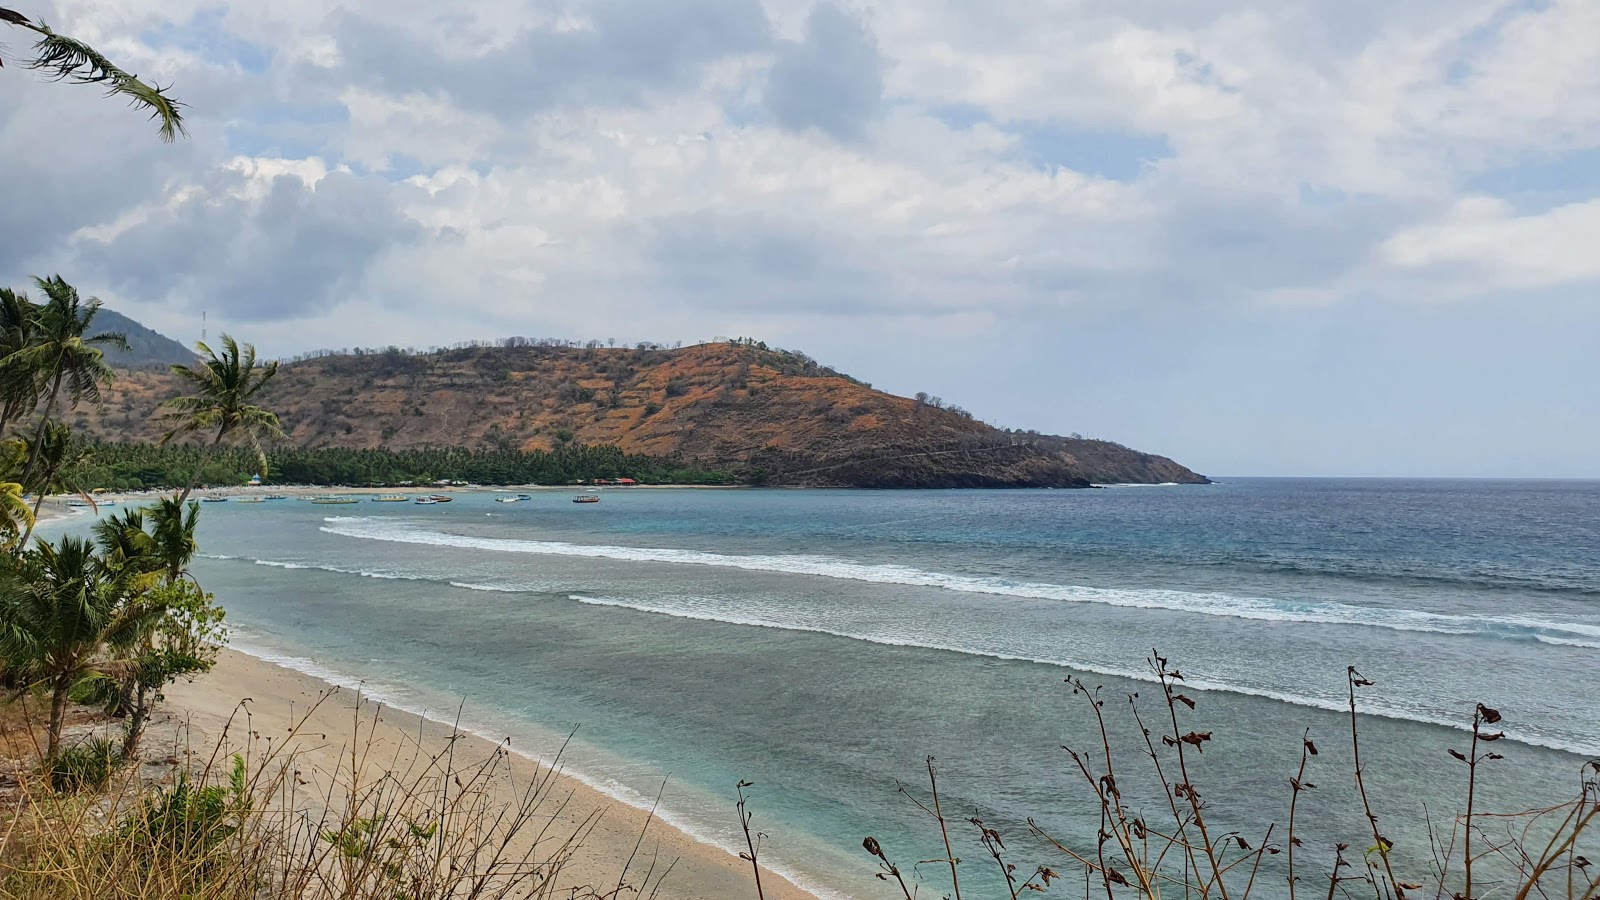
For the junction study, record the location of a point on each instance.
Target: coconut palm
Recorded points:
(56, 458)
(66, 58)
(124, 544)
(224, 384)
(16, 517)
(149, 550)
(60, 613)
(19, 390)
(62, 354)
(172, 530)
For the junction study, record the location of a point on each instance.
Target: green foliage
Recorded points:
(65, 58)
(188, 822)
(85, 766)
(143, 466)
(221, 407)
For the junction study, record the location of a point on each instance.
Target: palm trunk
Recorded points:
(136, 721)
(58, 711)
(37, 502)
(38, 435)
(205, 460)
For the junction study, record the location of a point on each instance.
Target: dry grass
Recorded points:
(255, 823)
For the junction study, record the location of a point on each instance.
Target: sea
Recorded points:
(826, 645)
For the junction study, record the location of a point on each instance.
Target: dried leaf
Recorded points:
(1196, 738)
(1310, 747)
(1184, 699)
(872, 846)
(1116, 877)
(1492, 737)
(1489, 715)
(1459, 755)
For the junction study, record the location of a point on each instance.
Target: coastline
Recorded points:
(265, 701)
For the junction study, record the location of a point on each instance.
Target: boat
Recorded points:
(524, 497)
(78, 504)
(441, 498)
(251, 500)
(426, 500)
(506, 499)
(391, 498)
(326, 500)
(214, 499)
(586, 498)
(276, 497)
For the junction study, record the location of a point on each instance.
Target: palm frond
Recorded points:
(66, 58)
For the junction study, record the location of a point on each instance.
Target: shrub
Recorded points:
(85, 766)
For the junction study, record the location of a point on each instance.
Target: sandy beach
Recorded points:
(265, 702)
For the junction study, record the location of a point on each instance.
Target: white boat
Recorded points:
(426, 501)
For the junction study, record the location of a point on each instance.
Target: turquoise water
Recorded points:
(823, 643)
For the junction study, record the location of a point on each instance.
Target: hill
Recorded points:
(146, 348)
(773, 416)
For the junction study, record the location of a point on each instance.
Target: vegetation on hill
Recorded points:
(132, 467)
(766, 416)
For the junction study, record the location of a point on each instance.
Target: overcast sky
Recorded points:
(1273, 237)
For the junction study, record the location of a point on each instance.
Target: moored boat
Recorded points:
(327, 500)
(391, 498)
(586, 498)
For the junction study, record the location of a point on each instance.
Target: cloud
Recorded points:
(257, 240)
(606, 52)
(1482, 245)
(831, 80)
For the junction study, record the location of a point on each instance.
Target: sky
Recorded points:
(1263, 237)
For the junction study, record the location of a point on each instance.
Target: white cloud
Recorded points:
(1482, 246)
(555, 158)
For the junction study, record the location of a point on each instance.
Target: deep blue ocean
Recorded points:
(822, 644)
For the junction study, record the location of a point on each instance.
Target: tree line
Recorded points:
(131, 467)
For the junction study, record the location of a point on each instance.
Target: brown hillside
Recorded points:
(765, 412)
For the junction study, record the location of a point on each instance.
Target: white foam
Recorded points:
(1331, 705)
(281, 564)
(1209, 604)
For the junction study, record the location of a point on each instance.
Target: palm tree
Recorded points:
(19, 390)
(16, 517)
(66, 58)
(56, 458)
(172, 529)
(59, 614)
(63, 353)
(224, 386)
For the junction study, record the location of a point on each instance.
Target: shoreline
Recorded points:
(276, 697)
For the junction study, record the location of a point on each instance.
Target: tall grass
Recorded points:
(411, 823)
